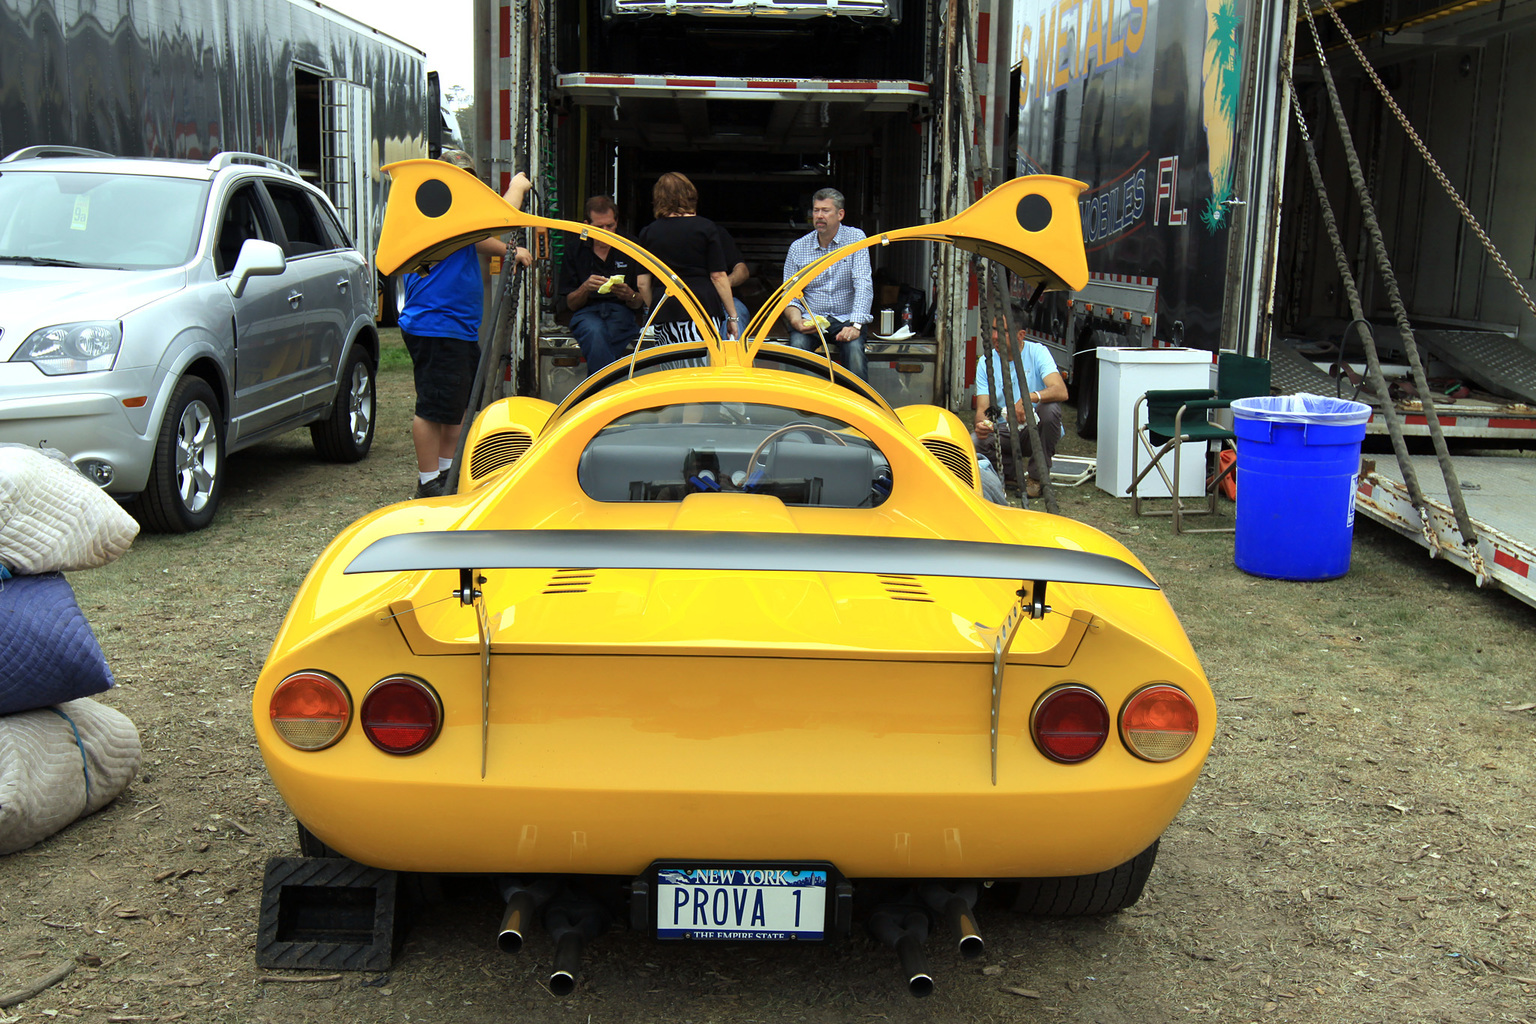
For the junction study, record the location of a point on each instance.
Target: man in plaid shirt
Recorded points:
(843, 293)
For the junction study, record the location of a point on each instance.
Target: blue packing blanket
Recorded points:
(48, 653)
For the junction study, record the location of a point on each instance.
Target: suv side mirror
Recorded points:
(257, 259)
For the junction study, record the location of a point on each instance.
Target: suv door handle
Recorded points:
(294, 298)
(342, 282)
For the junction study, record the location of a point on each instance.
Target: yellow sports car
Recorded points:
(724, 647)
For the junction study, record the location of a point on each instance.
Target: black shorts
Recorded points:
(445, 374)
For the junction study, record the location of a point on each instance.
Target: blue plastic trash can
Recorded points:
(1298, 465)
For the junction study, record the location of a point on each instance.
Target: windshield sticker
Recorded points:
(82, 214)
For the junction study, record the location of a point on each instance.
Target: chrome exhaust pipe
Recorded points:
(958, 905)
(562, 980)
(516, 921)
(905, 929)
(572, 924)
(962, 921)
(523, 901)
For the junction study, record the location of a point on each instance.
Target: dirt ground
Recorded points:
(1359, 848)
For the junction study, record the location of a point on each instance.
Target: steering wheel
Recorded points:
(790, 428)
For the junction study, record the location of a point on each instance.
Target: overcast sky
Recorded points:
(443, 28)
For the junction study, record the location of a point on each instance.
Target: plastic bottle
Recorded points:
(906, 315)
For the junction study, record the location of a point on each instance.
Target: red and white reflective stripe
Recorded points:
(1124, 279)
(584, 80)
(1518, 566)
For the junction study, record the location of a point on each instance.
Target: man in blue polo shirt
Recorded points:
(1043, 388)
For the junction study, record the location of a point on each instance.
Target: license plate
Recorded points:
(737, 902)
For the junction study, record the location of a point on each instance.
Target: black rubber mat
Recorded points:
(323, 913)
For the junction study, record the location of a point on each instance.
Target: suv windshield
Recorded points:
(91, 219)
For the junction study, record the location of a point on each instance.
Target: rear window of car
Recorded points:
(305, 229)
(91, 219)
(670, 452)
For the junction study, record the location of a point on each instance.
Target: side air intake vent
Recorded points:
(570, 581)
(953, 456)
(498, 451)
(904, 588)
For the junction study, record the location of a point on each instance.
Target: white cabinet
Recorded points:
(1125, 374)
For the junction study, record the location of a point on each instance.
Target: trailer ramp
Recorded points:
(1496, 362)
(1497, 491)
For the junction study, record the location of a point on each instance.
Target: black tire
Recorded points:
(1103, 893)
(187, 475)
(310, 844)
(346, 434)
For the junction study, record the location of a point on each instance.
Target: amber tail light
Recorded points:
(401, 715)
(1070, 724)
(1159, 722)
(310, 710)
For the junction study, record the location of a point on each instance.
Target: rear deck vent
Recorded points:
(953, 456)
(570, 581)
(904, 588)
(498, 451)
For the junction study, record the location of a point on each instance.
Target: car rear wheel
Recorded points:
(347, 433)
(187, 475)
(1079, 895)
(310, 845)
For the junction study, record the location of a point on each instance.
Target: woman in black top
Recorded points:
(690, 245)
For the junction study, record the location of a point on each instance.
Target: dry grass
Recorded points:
(1360, 847)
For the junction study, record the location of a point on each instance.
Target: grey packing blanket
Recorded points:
(60, 763)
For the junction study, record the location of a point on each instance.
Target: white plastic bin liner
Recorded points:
(1319, 409)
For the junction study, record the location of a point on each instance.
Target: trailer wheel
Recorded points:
(346, 434)
(1102, 893)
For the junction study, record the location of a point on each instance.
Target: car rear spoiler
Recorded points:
(740, 552)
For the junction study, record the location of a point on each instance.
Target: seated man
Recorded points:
(603, 322)
(843, 293)
(1043, 388)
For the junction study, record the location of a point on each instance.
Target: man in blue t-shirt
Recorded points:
(440, 323)
(1043, 388)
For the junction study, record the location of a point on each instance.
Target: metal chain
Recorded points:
(1394, 297)
(1434, 166)
(1374, 375)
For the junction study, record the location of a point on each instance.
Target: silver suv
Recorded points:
(157, 315)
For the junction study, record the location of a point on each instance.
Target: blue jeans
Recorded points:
(852, 351)
(603, 330)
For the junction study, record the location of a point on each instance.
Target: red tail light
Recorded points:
(401, 715)
(1159, 722)
(1070, 724)
(310, 710)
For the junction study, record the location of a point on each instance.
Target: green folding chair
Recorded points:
(1166, 430)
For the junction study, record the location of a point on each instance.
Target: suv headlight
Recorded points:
(72, 348)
